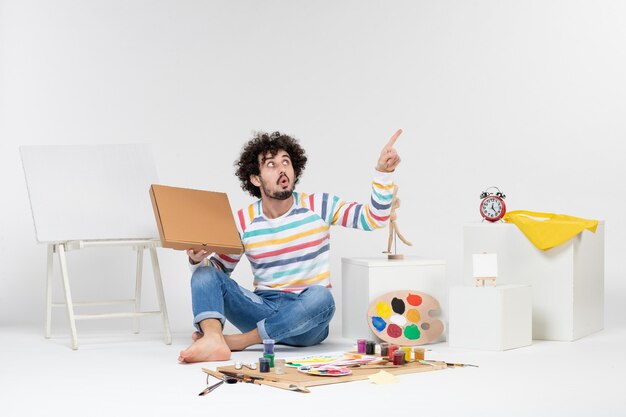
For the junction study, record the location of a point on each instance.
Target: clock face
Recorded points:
(492, 208)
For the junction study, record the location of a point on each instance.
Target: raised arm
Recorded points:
(389, 158)
(374, 215)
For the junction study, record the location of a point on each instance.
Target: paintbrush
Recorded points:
(457, 365)
(448, 364)
(218, 375)
(372, 366)
(262, 381)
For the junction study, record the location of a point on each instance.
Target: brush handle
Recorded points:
(216, 374)
(282, 385)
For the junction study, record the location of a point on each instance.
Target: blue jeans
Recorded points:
(291, 319)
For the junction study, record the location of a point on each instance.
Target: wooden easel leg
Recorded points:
(68, 295)
(50, 262)
(159, 287)
(138, 278)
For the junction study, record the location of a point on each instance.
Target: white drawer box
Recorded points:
(567, 281)
(490, 318)
(364, 279)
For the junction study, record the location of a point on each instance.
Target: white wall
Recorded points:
(529, 96)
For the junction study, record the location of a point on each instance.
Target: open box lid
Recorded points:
(196, 219)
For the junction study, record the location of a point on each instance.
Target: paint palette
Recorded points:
(405, 318)
(315, 360)
(325, 370)
(337, 359)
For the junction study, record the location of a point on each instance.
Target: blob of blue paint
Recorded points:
(378, 323)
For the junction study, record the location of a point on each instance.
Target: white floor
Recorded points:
(117, 373)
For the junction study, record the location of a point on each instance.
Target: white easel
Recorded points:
(94, 196)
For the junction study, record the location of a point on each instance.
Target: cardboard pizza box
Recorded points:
(196, 219)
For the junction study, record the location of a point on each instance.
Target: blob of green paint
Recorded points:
(412, 332)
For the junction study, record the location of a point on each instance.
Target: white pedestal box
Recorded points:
(567, 281)
(490, 318)
(364, 279)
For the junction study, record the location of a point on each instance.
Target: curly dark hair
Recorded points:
(261, 144)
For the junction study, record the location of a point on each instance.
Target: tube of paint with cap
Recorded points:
(264, 365)
(370, 347)
(269, 356)
(398, 357)
(407, 353)
(392, 349)
(384, 349)
(418, 352)
(268, 345)
(279, 366)
(360, 345)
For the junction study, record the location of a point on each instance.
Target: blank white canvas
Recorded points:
(90, 192)
(485, 265)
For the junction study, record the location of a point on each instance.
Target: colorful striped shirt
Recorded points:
(291, 252)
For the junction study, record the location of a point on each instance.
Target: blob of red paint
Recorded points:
(414, 299)
(393, 330)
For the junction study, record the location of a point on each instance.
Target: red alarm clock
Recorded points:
(492, 206)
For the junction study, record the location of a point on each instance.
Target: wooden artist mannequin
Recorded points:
(393, 227)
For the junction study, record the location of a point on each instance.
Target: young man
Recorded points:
(285, 236)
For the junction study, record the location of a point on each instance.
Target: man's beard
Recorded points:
(280, 195)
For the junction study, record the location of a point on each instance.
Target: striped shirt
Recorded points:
(291, 252)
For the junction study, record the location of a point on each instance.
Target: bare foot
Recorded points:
(234, 342)
(237, 342)
(208, 348)
(195, 336)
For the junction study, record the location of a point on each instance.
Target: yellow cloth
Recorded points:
(382, 378)
(547, 230)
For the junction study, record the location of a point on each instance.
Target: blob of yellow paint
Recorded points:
(383, 309)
